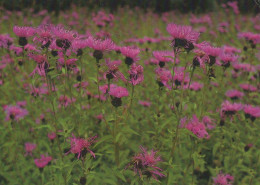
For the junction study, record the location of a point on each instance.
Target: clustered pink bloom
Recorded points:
(118, 92)
(131, 54)
(14, 112)
(248, 87)
(65, 101)
(252, 112)
(81, 146)
(209, 122)
(196, 127)
(136, 74)
(43, 161)
(145, 103)
(24, 31)
(145, 163)
(52, 136)
(29, 147)
(183, 36)
(163, 57)
(223, 179)
(234, 94)
(196, 86)
(228, 108)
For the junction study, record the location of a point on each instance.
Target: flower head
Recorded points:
(14, 112)
(223, 179)
(24, 31)
(234, 94)
(228, 108)
(197, 127)
(29, 147)
(183, 36)
(43, 161)
(80, 146)
(145, 163)
(136, 74)
(131, 54)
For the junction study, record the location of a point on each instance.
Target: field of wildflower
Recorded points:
(129, 98)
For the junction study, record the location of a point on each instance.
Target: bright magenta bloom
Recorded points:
(223, 179)
(131, 54)
(79, 145)
(228, 108)
(136, 74)
(118, 92)
(248, 87)
(197, 127)
(24, 31)
(252, 112)
(14, 112)
(234, 94)
(183, 36)
(29, 147)
(100, 45)
(164, 56)
(43, 161)
(145, 163)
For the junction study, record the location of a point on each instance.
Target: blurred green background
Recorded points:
(195, 6)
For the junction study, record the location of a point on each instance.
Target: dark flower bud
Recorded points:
(116, 102)
(161, 64)
(129, 61)
(98, 54)
(22, 41)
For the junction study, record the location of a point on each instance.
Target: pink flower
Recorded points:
(163, 56)
(223, 179)
(5, 40)
(228, 108)
(252, 112)
(80, 146)
(118, 92)
(43, 161)
(196, 86)
(208, 122)
(145, 163)
(197, 127)
(65, 101)
(24, 31)
(227, 59)
(183, 36)
(234, 94)
(131, 54)
(14, 112)
(29, 147)
(52, 135)
(145, 103)
(248, 87)
(136, 74)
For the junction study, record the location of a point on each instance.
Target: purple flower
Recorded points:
(24, 31)
(223, 179)
(145, 163)
(14, 112)
(80, 146)
(29, 147)
(252, 112)
(234, 94)
(228, 108)
(43, 161)
(136, 74)
(197, 127)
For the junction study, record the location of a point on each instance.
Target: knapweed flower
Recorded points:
(116, 93)
(23, 32)
(100, 46)
(183, 36)
(145, 163)
(212, 52)
(209, 122)
(248, 87)
(14, 112)
(230, 109)
(52, 136)
(234, 94)
(81, 146)
(29, 147)
(43, 161)
(65, 101)
(136, 74)
(145, 103)
(223, 179)
(252, 112)
(64, 37)
(44, 35)
(197, 127)
(131, 54)
(196, 86)
(5, 41)
(164, 76)
(227, 59)
(163, 57)
(113, 71)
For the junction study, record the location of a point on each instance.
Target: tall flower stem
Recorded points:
(97, 64)
(116, 144)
